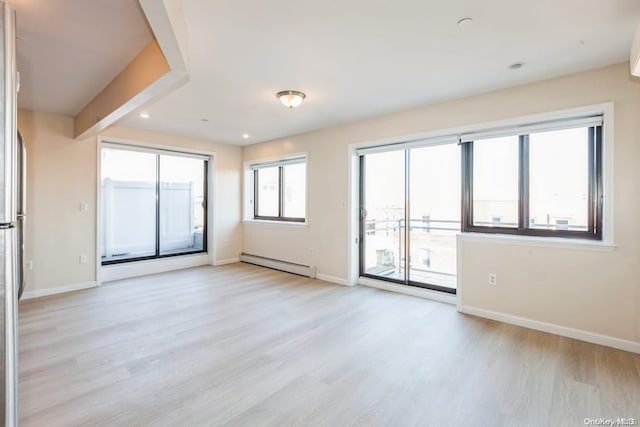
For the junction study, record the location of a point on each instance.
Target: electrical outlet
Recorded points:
(82, 259)
(226, 243)
(84, 207)
(29, 265)
(493, 279)
(311, 251)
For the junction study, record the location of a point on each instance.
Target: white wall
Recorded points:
(597, 292)
(62, 174)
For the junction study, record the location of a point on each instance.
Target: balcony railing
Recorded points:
(428, 225)
(432, 257)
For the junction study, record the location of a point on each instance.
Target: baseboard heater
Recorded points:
(276, 264)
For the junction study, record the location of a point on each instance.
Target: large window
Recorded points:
(154, 204)
(280, 190)
(543, 182)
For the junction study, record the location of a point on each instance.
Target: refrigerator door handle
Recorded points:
(21, 217)
(22, 167)
(20, 258)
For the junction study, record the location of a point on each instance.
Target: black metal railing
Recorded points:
(447, 225)
(373, 225)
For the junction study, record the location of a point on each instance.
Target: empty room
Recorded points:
(278, 213)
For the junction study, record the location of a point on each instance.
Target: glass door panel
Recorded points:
(128, 204)
(383, 215)
(434, 200)
(182, 206)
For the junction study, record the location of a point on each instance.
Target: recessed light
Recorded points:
(145, 115)
(464, 22)
(246, 136)
(516, 65)
(204, 120)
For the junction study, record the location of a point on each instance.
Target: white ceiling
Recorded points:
(69, 50)
(353, 58)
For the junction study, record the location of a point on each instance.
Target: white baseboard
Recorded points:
(226, 261)
(58, 290)
(332, 279)
(564, 331)
(143, 268)
(408, 290)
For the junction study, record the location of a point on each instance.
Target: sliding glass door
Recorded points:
(410, 204)
(153, 203)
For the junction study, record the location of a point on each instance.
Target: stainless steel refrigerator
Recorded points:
(12, 161)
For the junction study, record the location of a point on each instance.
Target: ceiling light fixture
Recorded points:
(516, 65)
(464, 22)
(291, 98)
(145, 115)
(246, 136)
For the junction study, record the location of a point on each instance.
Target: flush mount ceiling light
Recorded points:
(464, 22)
(145, 115)
(246, 136)
(291, 98)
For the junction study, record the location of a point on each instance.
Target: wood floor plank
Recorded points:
(245, 345)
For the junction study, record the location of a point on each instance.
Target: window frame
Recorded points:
(595, 191)
(157, 152)
(281, 189)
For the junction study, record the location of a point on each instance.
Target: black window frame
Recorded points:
(595, 192)
(157, 254)
(281, 189)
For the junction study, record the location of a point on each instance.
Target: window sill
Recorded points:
(535, 241)
(272, 222)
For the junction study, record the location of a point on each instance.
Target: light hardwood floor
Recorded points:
(248, 346)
